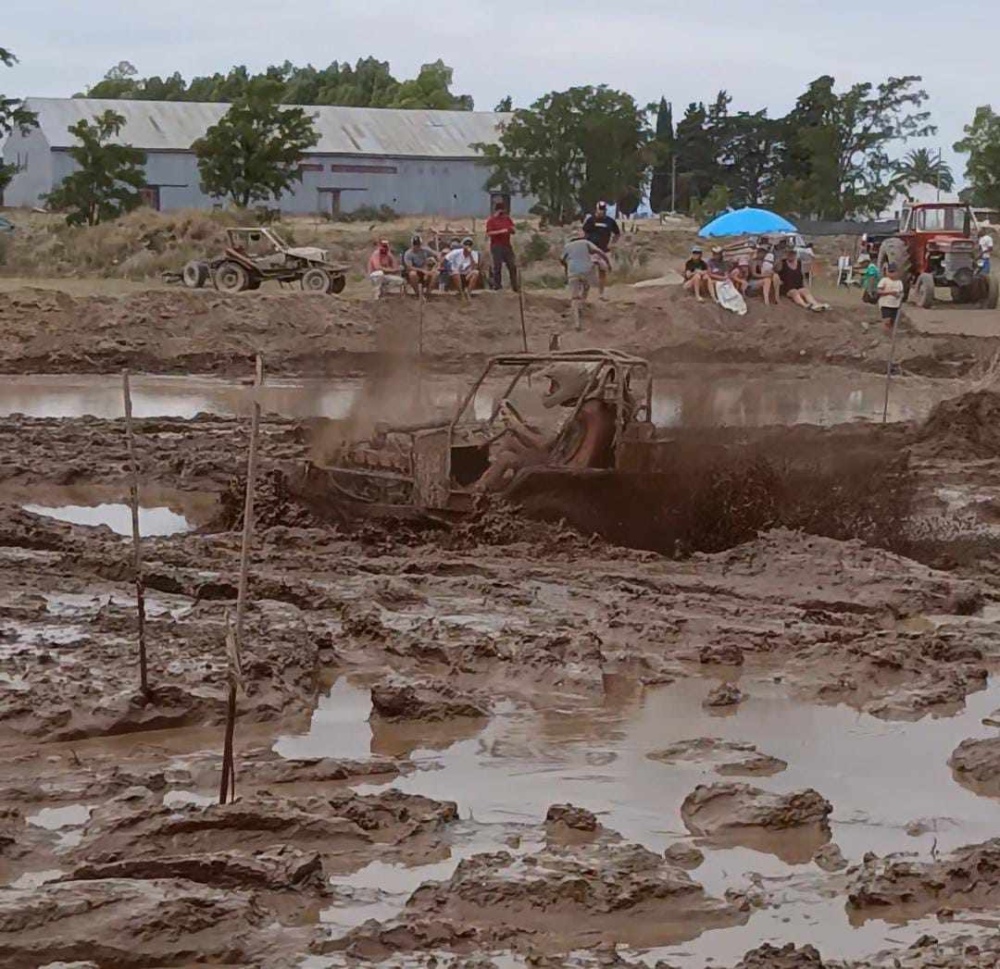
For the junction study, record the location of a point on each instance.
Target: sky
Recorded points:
(764, 55)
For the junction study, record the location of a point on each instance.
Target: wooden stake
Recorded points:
(420, 325)
(241, 598)
(140, 593)
(234, 638)
(888, 369)
(227, 784)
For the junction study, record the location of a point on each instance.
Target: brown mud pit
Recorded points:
(580, 662)
(174, 331)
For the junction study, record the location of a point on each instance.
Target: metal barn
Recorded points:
(417, 162)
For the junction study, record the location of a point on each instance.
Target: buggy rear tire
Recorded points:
(317, 280)
(195, 274)
(231, 277)
(923, 292)
(338, 283)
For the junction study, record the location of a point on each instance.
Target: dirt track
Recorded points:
(506, 741)
(171, 331)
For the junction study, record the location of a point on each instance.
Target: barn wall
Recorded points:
(31, 153)
(411, 186)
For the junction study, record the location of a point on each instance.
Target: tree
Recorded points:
(572, 148)
(921, 167)
(13, 117)
(109, 176)
(505, 105)
(835, 158)
(660, 188)
(695, 149)
(982, 144)
(254, 152)
(747, 155)
(368, 84)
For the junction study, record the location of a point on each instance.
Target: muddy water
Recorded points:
(880, 777)
(692, 395)
(152, 521)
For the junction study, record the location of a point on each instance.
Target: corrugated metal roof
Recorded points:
(174, 125)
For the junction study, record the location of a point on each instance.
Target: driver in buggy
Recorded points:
(584, 442)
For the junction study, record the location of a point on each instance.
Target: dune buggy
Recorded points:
(257, 255)
(936, 247)
(411, 470)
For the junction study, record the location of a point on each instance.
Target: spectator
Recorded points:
(890, 295)
(444, 270)
(499, 228)
(579, 258)
(696, 274)
(383, 269)
(420, 264)
(807, 257)
(869, 278)
(602, 231)
(762, 275)
(985, 251)
(740, 275)
(462, 265)
(717, 270)
(794, 285)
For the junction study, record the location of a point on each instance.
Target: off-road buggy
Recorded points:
(256, 255)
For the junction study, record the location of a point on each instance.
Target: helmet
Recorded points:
(567, 382)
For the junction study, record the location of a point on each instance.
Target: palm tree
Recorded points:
(920, 167)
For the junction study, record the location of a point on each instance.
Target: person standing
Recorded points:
(579, 258)
(499, 228)
(602, 231)
(985, 251)
(890, 295)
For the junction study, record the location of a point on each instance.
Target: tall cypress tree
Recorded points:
(663, 154)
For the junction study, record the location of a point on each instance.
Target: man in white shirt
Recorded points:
(985, 250)
(463, 267)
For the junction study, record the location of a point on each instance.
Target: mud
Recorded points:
(495, 742)
(171, 331)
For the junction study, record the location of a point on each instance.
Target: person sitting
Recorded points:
(444, 271)
(583, 443)
(717, 269)
(462, 264)
(793, 283)
(740, 274)
(421, 267)
(383, 269)
(762, 276)
(696, 274)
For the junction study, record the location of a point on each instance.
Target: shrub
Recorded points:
(367, 213)
(536, 249)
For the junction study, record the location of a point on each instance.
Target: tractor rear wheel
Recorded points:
(195, 274)
(316, 280)
(231, 277)
(924, 291)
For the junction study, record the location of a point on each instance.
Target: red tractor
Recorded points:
(937, 247)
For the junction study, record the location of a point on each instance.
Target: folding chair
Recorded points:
(845, 271)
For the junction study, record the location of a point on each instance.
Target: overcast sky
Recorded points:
(763, 54)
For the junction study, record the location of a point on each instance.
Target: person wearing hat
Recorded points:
(717, 269)
(420, 264)
(499, 228)
(696, 274)
(890, 295)
(383, 269)
(601, 230)
(462, 265)
(579, 258)
(762, 275)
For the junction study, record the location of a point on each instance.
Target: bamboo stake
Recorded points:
(420, 324)
(140, 592)
(241, 598)
(227, 784)
(888, 369)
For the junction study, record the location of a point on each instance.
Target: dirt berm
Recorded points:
(169, 331)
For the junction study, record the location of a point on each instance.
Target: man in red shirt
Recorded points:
(499, 228)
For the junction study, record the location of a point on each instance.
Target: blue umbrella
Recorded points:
(746, 222)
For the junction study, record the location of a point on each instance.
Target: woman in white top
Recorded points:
(890, 295)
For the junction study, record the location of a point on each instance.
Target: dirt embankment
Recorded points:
(170, 331)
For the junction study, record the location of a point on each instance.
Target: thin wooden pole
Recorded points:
(420, 324)
(140, 592)
(227, 783)
(241, 598)
(524, 326)
(888, 368)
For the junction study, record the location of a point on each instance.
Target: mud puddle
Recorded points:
(153, 522)
(697, 394)
(889, 784)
